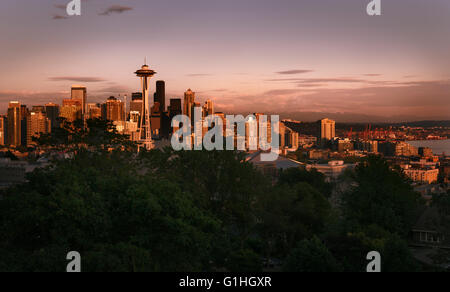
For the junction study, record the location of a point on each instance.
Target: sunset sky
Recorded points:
(285, 56)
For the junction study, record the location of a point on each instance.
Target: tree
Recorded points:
(381, 196)
(396, 256)
(316, 179)
(290, 214)
(311, 256)
(99, 205)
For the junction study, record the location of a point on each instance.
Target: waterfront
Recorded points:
(438, 146)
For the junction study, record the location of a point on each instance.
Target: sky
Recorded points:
(301, 59)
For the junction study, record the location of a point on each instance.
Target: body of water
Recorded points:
(438, 146)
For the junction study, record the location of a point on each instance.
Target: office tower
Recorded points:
(208, 108)
(14, 124)
(288, 138)
(23, 115)
(158, 109)
(145, 73)
(38, 108)
(113, 110)
(37, 124)
(155, 119)
(52, 112)
(135, 117)
(160, 95)
(327, 129)
(189, 100)
(71, 110)
(136, 105)
(80, 93)
(136, 96)
(165, 125)
(73, 102)
(175, 108)
(264, 132)
(3, 125)
(94, 111)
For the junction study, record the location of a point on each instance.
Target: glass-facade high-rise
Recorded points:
(14, 124)
(80, 93)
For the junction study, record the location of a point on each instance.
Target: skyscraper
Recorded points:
(136, 103)
(23, 127)
(52, 113)
(327, 129)
(113, 110)
(14, 124)
(208, 108)
(80, 93)
(71, 110)
(175, 108)
(160, 95)
(158, 110)
(136, 96)
(94, 111)
(155, 119)
(3, 125)
(189, 100)
(38, 108)
(37, 123)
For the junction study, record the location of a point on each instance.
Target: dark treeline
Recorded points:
(201, 211)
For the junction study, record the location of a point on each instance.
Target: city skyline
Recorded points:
(394, 67)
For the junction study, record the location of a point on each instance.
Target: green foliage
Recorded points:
(244, 260)
(382, 197)
(163, 210)
(397, 257)
(290, 214)
(316, 179)
(311, 256)
(97, 204)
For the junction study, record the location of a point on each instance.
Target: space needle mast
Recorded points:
(145, 134)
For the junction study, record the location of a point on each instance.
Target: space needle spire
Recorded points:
(145, 134)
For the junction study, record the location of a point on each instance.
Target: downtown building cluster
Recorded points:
(21, 124)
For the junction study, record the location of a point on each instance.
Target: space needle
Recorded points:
(145, 133)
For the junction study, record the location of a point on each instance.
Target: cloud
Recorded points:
(383, 101)
(30, 98)
(198, 75)
(116, 9)
(330, 80)
(59, 17)
(77, 79)
(294, 72)
(372, 75)
(61, 6)
(115, 89)
(281, 92)
(218, 90)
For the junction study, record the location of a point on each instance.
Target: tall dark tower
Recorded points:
(52, 112)
(14, 124)
(160, 95)
(145, 73)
